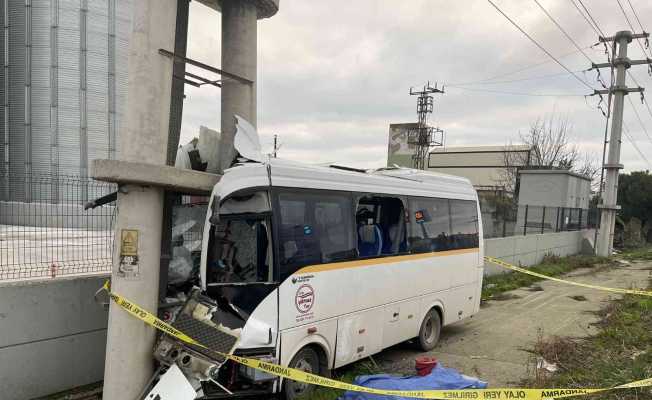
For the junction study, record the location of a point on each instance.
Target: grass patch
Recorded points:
(493, 286)
(345, 374)
(641, 253)
(620, 353)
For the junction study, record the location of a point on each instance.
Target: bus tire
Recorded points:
(307, 359)
(430, 330)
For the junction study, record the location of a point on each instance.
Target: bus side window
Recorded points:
(430, 225)
(464, 215)
(315, 228)
(380, 224)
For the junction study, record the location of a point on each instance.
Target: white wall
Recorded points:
(530, 250)
(52, 336)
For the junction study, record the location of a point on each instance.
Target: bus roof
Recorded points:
(396, 181)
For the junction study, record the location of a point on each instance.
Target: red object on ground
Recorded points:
(424, 365)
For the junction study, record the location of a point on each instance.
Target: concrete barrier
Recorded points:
(52, 336)
(42, 215)
(530, 250)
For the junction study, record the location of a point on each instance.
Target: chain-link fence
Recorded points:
(45, 231)
(512, 219)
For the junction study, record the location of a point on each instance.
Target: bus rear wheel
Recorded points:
(430, 330)
(307, 360)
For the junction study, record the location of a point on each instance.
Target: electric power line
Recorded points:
(585, 18)
(633, 143)
(532, 78)
(563, 31)
(592, 19)
(547, 61)
(515, 93)
(625, 14)
(629, 74)
(636, 15)
(647, 106)
(630, 25)
(538, 45)
(640, 121)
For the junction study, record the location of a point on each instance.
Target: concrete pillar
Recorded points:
(144, 138)
(239, 46)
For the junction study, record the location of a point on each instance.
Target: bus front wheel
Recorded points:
(430, 330)
(307, 360)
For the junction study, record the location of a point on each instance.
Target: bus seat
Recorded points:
(370, 240)
(395, 241)
(390, 244)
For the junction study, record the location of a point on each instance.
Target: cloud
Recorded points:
(334, 74)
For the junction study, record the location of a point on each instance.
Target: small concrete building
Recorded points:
(555, 188)
(551, 200)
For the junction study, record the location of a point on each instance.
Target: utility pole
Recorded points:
(423, 137)
(275, 146)
(609, 205)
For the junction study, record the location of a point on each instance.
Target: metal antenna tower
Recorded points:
(423, 137)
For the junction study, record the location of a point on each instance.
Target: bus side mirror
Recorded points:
(215, 211)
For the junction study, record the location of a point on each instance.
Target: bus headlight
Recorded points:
(256, 375)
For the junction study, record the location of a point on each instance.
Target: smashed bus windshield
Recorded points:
(239, 245)
(239, 251)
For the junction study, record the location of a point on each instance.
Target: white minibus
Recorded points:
(316, 267)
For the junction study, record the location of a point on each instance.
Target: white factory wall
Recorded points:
(529, 250)
(52, 336)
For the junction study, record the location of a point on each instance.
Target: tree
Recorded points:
(635, 196)
(550, 148)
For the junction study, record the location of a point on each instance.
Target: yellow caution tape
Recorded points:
(305, 377)
(550, 278)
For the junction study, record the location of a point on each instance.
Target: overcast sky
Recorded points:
(332, 75)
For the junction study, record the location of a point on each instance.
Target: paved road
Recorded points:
(491, 344)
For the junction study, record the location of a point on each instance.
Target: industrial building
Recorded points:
(62, 90)
(484, 166)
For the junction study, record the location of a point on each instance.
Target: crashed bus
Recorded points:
(316, 267)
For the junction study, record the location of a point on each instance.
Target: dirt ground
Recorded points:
(492, 345)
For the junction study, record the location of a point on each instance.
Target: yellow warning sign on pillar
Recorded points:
(129, 267)
(129, 242)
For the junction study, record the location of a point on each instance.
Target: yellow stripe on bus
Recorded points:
(381, 260)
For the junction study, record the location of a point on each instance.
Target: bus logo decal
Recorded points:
(304, 299)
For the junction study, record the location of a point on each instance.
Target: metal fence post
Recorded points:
(579, 225)
(543, 219)
(557, 220)
(525, 221)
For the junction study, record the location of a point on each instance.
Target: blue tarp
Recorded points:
(439, 378)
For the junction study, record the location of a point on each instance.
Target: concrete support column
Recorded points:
(143, 138)
(239, 46)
